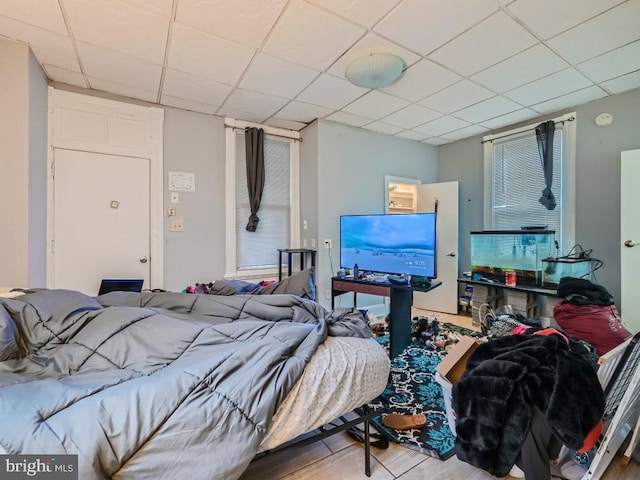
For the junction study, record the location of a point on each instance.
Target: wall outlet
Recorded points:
(177, 225)
(304, 243)
(313, 243)
(171, 212)
(327, 294)
(327, 244)
(175, 197)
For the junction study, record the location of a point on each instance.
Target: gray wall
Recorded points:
(194, 143)
(598, 150)
(23, 154)
(352, 164)
(38, 141)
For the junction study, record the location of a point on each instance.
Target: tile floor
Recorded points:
(340, 457)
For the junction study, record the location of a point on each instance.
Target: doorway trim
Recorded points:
(151, 147)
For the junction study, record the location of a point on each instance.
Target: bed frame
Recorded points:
(365, 414)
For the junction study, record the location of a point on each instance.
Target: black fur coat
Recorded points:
(508, 376)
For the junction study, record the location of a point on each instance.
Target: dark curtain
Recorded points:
(544, 137)
(254, 142)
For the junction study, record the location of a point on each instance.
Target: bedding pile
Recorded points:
(154, 385)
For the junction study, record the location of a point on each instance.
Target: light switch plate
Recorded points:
(175, 197)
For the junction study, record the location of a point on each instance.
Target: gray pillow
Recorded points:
(300, 283)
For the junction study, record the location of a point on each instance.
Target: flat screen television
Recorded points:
(389, 243)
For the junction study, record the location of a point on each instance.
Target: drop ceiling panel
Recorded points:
(547, 18)
(188, 104)
(271, 75)
(310, 36)
(246, 22)
(67, 62)
(118, 68)
(371, 43)
(348, 119)
(43, 14)
(412, 135)
(303, 112)
(283, 61)
(624, 83)
(363, 12)
(197, 53)
(618, 62)
(383, 128)
(422, 79)
(435, 141)
(193, 88)
(244, 115)
(411, 116)
(375, 105)
(486, 109)
(480, 47)
(332, 92)
(570, 100)
(560, 83)
(63, 75)
(121, 89)
(457, 96)
(509, 119)
(35, 36)
(425, 25)
(441, 126)
(532, 64)
(260, 103)
(115, 25)
(289, 124)
(601, 34)
(465, 132)
(160, 6)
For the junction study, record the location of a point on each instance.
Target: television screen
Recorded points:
(389, 243)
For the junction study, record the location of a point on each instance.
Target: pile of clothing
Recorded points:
(588, 312)
(512, 378)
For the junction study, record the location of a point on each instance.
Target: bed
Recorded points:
(170, 385)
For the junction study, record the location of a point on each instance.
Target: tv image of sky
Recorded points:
(390, 243)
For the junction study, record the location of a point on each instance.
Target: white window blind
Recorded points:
(259, 250)
(514, 180)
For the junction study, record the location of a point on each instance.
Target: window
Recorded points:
(514, 181)
(255, 254)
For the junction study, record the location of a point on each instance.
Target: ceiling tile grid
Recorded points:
(470, 66)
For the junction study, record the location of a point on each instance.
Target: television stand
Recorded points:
(400, 301)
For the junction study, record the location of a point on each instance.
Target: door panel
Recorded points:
(445, 297)
(101, 215)
(629, 232)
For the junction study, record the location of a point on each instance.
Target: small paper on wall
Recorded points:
(182, 182)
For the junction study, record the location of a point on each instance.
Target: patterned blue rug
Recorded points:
(412, 389)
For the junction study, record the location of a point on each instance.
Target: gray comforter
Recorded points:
(153, 385)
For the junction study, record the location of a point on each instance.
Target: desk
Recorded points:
(401, 299)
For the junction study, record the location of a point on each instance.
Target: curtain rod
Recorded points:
(241, 130)
(524, 129)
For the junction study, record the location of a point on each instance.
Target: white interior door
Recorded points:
(101, 219)
(445, 297)
(630, 239)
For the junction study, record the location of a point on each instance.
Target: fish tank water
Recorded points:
(495, 252)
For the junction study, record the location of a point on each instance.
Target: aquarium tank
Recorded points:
(495, 252)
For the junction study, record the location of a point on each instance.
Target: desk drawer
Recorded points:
(371, 289)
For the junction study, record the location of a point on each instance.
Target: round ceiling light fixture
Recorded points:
(376, 70)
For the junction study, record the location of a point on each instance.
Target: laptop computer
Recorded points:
(120, 285)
